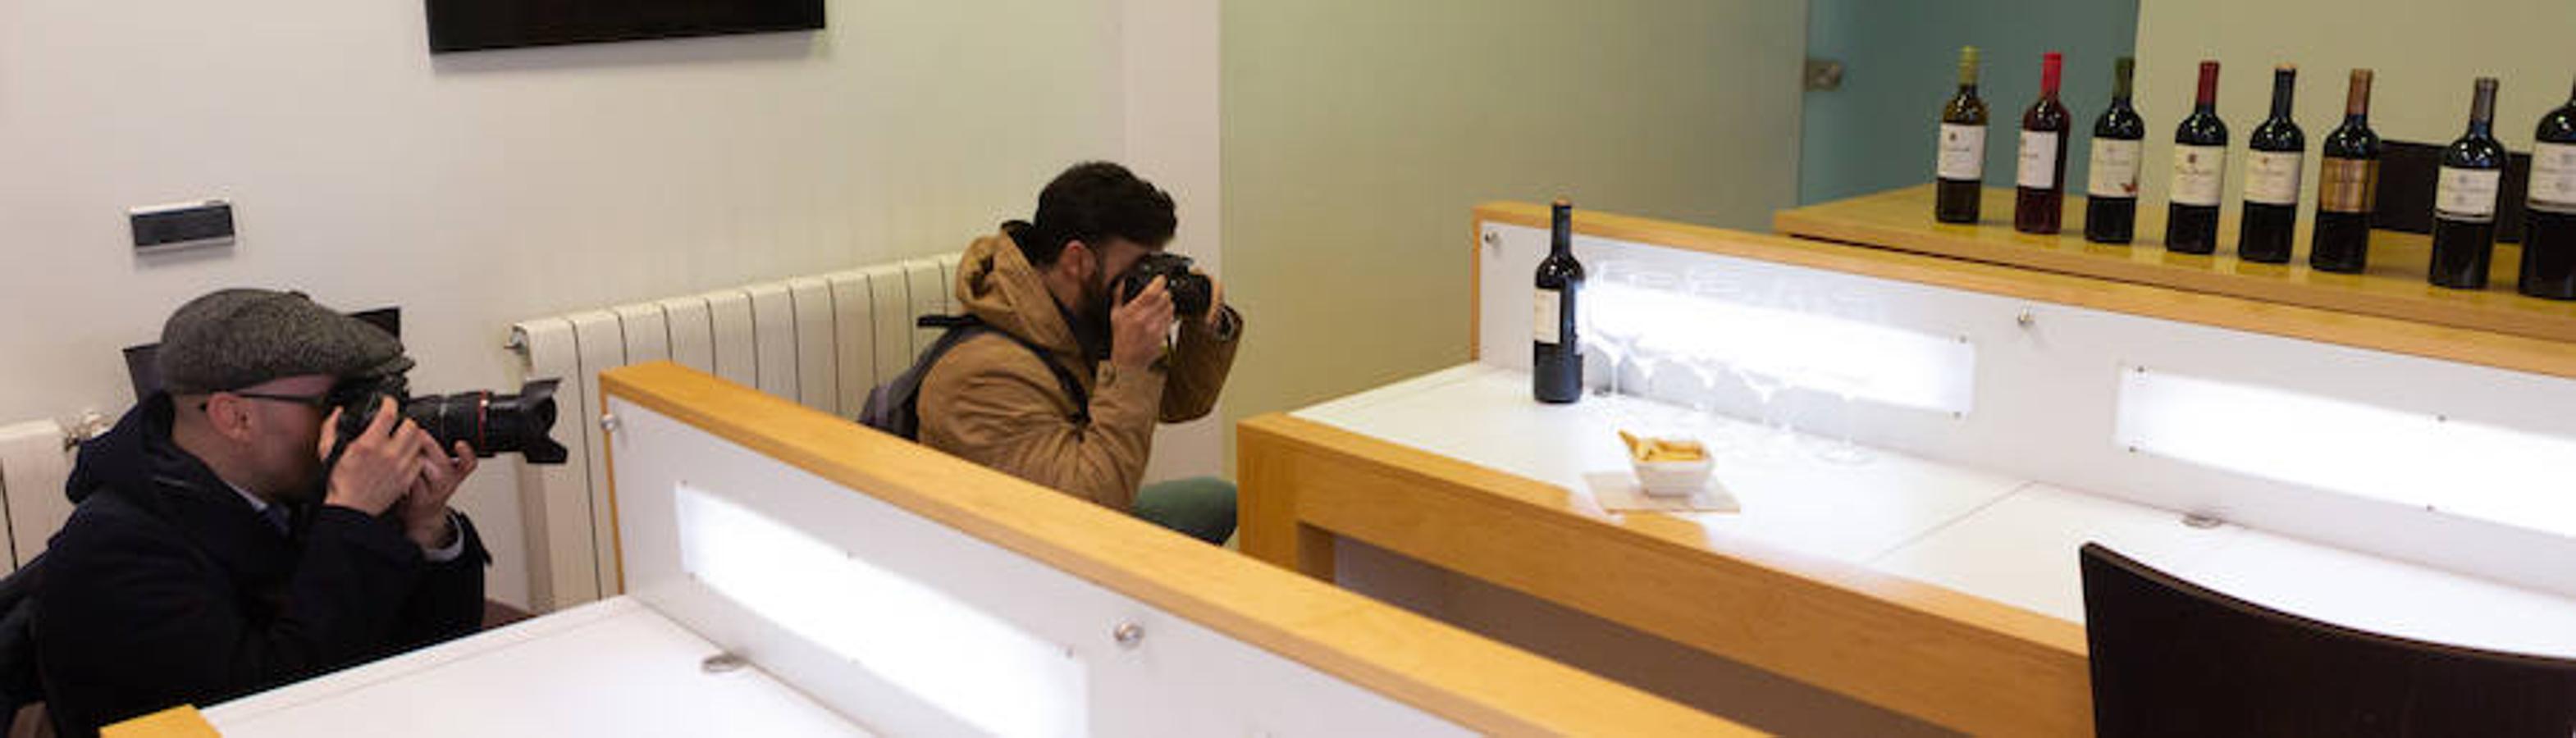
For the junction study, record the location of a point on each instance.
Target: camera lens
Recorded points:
(493, 423)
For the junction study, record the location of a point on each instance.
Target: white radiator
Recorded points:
(35, 460)
(822, 341)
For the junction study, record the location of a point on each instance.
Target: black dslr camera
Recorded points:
(490, 423)
(1190, 290)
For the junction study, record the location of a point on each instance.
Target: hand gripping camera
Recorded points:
(1191, 292)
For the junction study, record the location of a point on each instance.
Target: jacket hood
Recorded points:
(132, 454)
(998, 286)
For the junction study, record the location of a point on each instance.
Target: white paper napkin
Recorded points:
(1618, 491)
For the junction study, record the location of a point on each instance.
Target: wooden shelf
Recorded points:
(2394, 286)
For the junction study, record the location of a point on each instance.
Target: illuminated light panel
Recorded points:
(2456, 467)
(971, 665)
(1826, 353)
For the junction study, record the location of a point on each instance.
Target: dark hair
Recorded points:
(1093, 202)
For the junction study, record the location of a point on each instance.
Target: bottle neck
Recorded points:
(2281, 101)
(1560, 241)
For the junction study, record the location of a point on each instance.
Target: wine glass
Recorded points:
(1650, 297)
(1857, 308)
(1717, 291)
(1610, 321)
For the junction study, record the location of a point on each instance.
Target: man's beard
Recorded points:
(1091, 328)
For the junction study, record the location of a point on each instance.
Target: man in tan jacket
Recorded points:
(1049, 284)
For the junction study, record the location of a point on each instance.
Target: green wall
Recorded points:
(1357, 135)
(1900, 61)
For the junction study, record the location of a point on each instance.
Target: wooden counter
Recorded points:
(2393, 287)
(1939, 588)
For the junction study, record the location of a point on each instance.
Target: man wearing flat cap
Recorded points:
(213, 554)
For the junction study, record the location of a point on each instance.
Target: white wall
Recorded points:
(476, 190)
(2424, 55)
(1171, 84)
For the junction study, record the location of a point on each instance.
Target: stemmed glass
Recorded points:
(1611, 322)
(1855, 308)
(1648, 291)
(1770, 376)
(1717, 289)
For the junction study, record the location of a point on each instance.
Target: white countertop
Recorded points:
(610, 668)
(1985, 534)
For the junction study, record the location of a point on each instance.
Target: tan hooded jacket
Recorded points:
(989, 400)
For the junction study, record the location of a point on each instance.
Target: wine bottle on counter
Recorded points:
(2549, 230)
(2347, 187)
(2039, 197)
(2111, 205)
(2199, 172)
(1556, 359)
(1960, 174)
(2464, 200)
(2276, 152)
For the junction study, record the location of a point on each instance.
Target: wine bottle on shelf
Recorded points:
(2347, 187)
(2275, 154)
(1960, 173)
(2464, 201)
(2039, 195)
(2199, 171)
(1556, 358)
(2111, 205)
(2549, 228)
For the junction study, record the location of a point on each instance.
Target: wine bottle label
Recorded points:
(2348, 185)
(2553, 177)
(2198, 173)
(2038, 160)
(2467, 194)
(1963, 152)
(1544, 317)
(2115, 168)
(2272, 177)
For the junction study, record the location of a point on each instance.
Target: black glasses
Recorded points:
(317, 402)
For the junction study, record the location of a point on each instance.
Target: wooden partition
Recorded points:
(1140, 631)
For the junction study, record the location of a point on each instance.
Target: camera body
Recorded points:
(490, 423)
(1191, 291)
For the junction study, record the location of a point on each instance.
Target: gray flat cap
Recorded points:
(236, 338)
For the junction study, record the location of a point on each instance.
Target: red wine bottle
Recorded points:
(2276, 152)
(2549, 230)
(2039, 197)
(1960, 173)
(2111, 205)
(2464, 201)
(2199, 172)
(1556, 358)
(2347, 187)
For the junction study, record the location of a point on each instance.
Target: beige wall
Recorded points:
(2425, 55)
(1357, 134)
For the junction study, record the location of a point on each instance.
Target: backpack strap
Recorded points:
(963, 326)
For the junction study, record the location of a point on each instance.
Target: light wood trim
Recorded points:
(177, 722)
(2392, 287)
(616, 528)
(1952, 659)
(1435, 667)
(2485, 348)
